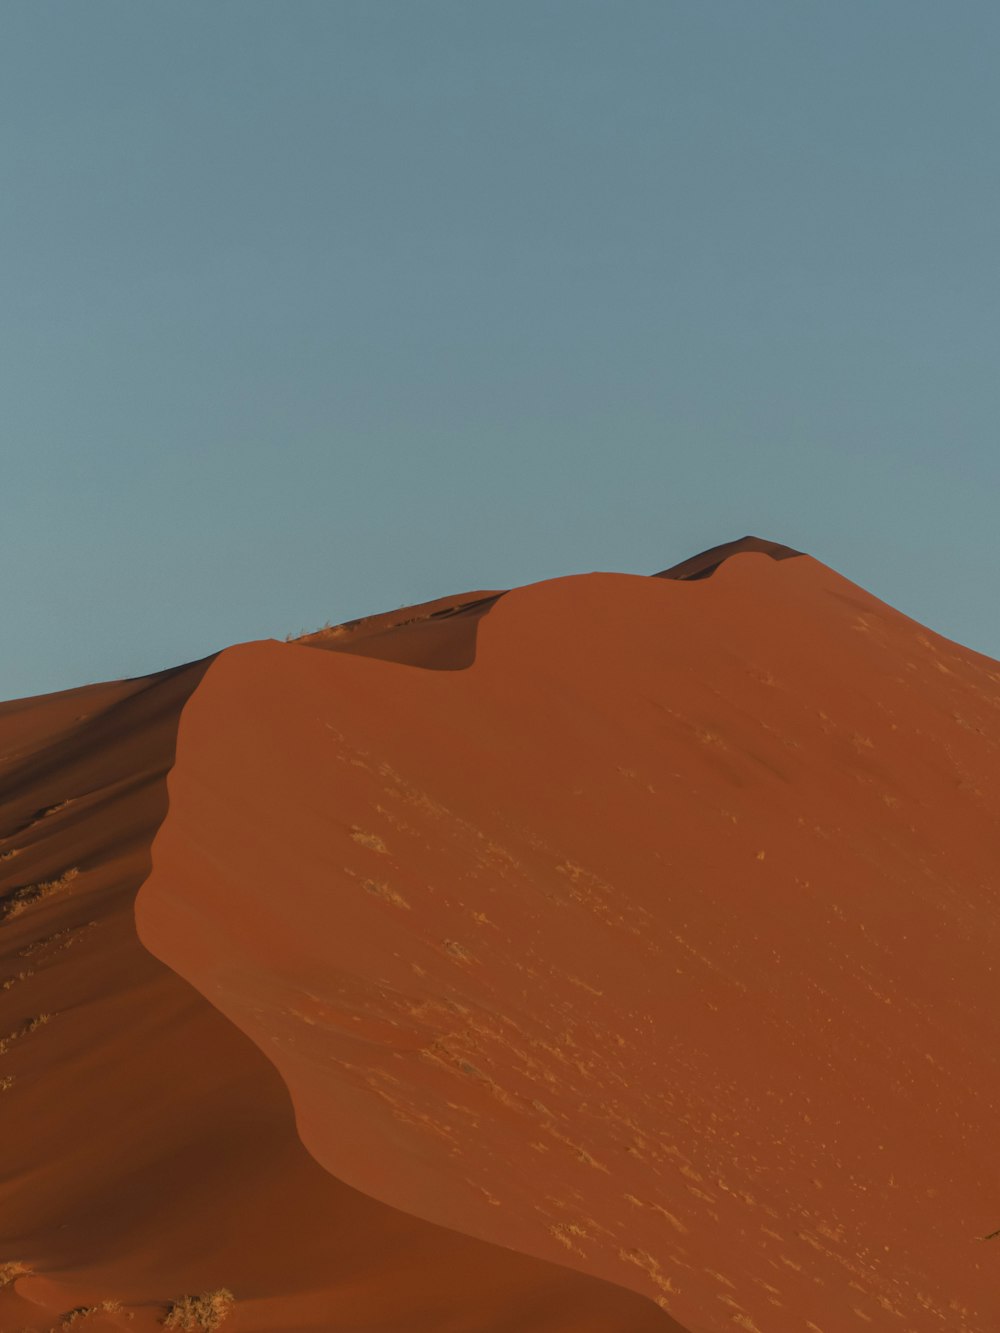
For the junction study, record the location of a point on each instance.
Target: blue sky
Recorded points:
(315, 309)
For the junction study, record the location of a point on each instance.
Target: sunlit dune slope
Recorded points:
(148, 1149)
(658, 940)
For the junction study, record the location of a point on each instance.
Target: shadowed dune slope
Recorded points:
(148, 1149)
(660, 941)
(705, 563)
(439, 635)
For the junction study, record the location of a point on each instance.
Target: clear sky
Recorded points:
(312, 309)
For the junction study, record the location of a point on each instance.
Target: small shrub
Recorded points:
(8, 1272)
(206, 1311)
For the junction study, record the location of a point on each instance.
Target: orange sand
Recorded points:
(148, 1149)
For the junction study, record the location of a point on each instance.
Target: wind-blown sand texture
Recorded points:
(611, 954)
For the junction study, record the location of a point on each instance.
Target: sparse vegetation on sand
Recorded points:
(13, 904)
(9, 982)
(207, 1311)
(10, 1271)
(25, 1030)
(85, 1311)
(369, 840)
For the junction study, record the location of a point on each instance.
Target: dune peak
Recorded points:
(705, 563)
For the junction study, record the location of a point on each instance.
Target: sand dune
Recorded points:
(631, 968)
(148, 1149)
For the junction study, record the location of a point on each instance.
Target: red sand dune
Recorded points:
(633, 969)
(148, 1150)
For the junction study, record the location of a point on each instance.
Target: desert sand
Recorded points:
(613, 953)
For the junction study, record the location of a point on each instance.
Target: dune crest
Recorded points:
(439, 635)
(659, 941)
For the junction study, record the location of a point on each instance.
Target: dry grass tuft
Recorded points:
(328, 628)
(370, 840)
(53, 809)
(6, 1083)
(9, 856)
(384, 891)
(20, 899)
(206, 1311)
(32, 1025)
(9, 983)
(60, 939)
(8, 1272)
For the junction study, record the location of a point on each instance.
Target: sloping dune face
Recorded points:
(660, 941)
(149, 1150)
(439, 634)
